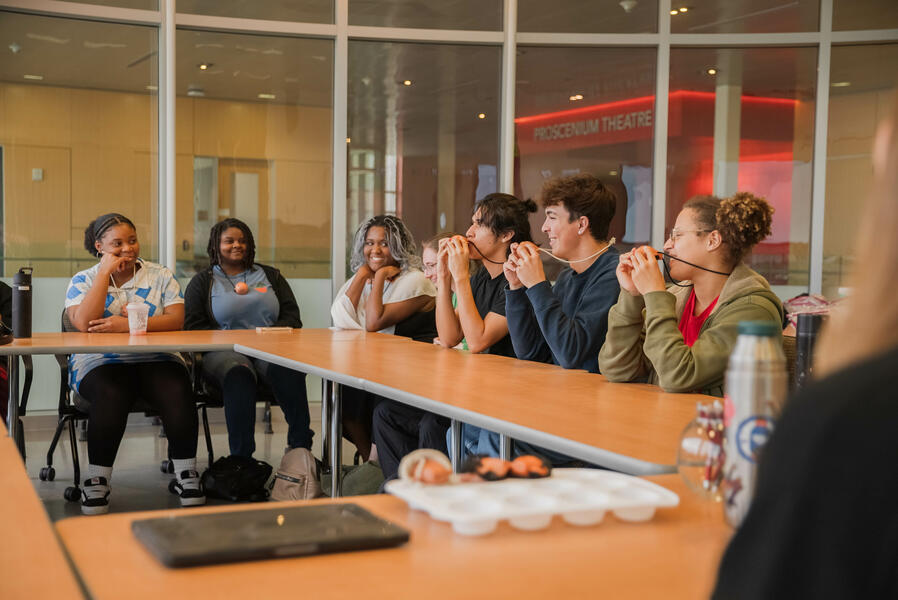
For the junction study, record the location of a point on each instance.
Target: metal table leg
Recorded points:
(455, 444)
(505, 444)
(325, 425)
(336, 441)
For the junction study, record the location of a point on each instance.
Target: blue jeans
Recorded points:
(237, 376)
(475, 440)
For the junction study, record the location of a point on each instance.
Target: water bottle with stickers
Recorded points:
(756, 384)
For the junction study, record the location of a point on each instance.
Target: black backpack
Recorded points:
(238, 479)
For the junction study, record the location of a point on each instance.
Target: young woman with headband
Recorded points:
(680, 337)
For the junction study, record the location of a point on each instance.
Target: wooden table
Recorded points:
(675, 555)
(34, 564)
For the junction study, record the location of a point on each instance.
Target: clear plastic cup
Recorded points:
(138, 314)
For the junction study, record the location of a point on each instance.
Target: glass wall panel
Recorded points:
(423, 132)
(588, 16)
(449, 14)
(743, 120)
(744, 16)
(141, 4)
(307, 11)
(78, 135)
(588, 110)
(254, 142)
(861, 95)
(849, 15)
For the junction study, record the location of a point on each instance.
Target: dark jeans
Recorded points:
(111, 391)
(399, 429)
(237, 376)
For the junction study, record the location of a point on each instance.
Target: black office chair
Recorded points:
(73, 408)
(23, 399)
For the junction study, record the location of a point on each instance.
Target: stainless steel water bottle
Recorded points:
(756, 385)
(21, 303)
(805, 337)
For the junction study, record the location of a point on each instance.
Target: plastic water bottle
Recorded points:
(756, 385)
(21, 303)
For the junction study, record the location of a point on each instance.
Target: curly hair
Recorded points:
(214, 247)
(583, 195)
(399, 239)
(99, 226)
(743, 220)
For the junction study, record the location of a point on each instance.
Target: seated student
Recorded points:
(387, 293)
(95, 302)
(680, 336)
(235, 292)
(824, 521)
(429, 254)
(479, 317)
(565, 323)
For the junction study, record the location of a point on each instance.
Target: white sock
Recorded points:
(98, 471)
(183, 464)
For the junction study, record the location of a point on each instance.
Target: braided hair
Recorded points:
(214, 247)
(99, 226)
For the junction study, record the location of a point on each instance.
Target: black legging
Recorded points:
(112, 390)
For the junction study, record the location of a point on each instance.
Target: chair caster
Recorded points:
(167, 466)
(72, 494)
(47, 474)
(171, 486)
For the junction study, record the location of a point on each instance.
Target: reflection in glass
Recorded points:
(254, 142)
(588, 16)
(745, 16)
(849, 15)
(307, 11)
(743, 120)
(78, 137)
(417, 146)
(447, 14)
(575, 113)
(860, 97)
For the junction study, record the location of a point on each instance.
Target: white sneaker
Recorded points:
(95, 496)
(189, 488)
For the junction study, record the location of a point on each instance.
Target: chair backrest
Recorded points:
(66, 322)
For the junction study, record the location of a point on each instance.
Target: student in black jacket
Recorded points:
(237, 293)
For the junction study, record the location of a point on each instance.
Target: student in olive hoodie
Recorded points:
(680, 337)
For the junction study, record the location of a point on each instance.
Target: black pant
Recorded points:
(399, 429)
(111, 390)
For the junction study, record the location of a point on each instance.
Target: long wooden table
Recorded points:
(673, 556)
(32, 560)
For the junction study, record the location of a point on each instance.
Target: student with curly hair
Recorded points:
(680, 337)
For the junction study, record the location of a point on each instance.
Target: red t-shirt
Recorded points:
(690, 324)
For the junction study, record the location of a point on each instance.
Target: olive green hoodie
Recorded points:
(644, 342)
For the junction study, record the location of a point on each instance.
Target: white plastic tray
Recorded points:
(580, 496)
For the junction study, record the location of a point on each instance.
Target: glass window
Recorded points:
(743, 120)
(423, 132)
(588, 16)
(861, 95)
(78, 135)
(588, 110)
(142, 4)
(307, 11)
(254, 135)
(849, 15)
(448, 14)
(745, 16)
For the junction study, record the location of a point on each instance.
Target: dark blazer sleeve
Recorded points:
(196, 313)
(289, 309)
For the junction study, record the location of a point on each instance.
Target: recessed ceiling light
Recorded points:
(576, 97)
(195, 92)
(152, 88)
(266, 96)
(348, 140)
(204, 66)
(711, 71)
(841, 84)
(612, 173)
(407, 82)
(684, 9)
(674, 12)
(35, 77)
(481, 116)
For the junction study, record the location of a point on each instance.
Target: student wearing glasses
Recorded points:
(680, 336)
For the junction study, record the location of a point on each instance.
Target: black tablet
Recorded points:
(189, 540)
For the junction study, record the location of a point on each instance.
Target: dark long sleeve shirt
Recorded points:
(566, 323)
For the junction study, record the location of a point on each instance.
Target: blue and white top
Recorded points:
(153, 285)
(259, 307)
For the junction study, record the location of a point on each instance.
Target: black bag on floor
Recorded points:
(238, 479)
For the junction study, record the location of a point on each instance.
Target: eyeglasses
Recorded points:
(676, 234)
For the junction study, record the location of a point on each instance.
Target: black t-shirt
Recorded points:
(489, 296)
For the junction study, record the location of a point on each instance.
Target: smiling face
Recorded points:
(376, 249)
(232, 246)
(120, 240)
(563, 233)
(429, 258)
